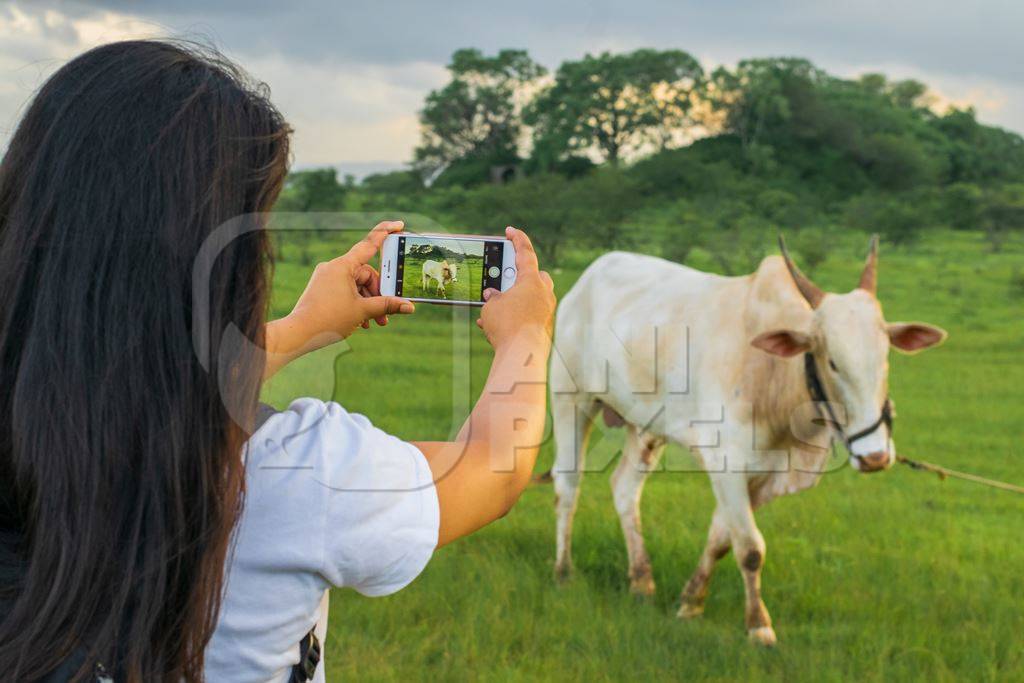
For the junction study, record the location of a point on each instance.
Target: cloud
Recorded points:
(362, 113)
(36, 43)
(352, 75)
(977, 38)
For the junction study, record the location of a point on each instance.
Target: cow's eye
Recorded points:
(832, 364)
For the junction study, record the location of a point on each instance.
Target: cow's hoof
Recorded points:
(690, 610)
(642, 587)
(763, 636)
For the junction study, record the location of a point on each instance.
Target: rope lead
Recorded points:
(944, 473)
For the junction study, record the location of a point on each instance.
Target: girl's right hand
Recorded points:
(526, 308)
(481, 474)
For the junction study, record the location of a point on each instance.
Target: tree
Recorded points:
(1003, 212)
(556, 211)
(533, 204)
(897, 162)
(977, 152)
(615, 103)
(393, 183)
(478, 113)
(814, 245)
(684, 228)
(314, 190)
(907, 94)
(759, 96)
(997, 210)
(898, 218)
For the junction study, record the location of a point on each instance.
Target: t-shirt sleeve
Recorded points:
(381, 512)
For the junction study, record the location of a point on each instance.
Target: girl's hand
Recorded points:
(342, 295)
(526, 307)
(481, 474)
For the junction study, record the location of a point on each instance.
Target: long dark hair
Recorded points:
(120, 464)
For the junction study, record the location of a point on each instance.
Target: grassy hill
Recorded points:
(895, 576)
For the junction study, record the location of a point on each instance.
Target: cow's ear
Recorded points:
(914, 337)
(785, 343)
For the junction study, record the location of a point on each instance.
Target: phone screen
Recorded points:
(447, 268)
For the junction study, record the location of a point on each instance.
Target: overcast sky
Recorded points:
(350, 76)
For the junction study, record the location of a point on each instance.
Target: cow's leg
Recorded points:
(640, 456)
(696, 589)
(571, 425)
(731, 490)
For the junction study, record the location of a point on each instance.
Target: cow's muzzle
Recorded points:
(872, 462)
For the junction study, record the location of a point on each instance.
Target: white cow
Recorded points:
(720, 365)
(441, 272)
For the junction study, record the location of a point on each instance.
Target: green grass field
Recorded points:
(469, 275)
(894, 576)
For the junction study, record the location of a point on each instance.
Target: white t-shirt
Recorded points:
(330, 501)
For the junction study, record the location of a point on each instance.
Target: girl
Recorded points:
(126, 468)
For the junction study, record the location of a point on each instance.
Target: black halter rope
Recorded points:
(817, 391)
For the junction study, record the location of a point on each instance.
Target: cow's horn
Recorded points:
(811, 291)
(869, 278)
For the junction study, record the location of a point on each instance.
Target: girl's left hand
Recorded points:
(342, 295)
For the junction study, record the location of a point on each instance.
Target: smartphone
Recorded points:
(446, 269)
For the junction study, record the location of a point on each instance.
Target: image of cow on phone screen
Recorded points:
(443, 271)
(441, 274)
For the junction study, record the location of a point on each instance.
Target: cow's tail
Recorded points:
(541, 478)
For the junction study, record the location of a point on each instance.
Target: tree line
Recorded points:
(649, 146)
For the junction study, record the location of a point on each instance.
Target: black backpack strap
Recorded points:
(309, 658)
(70, 666)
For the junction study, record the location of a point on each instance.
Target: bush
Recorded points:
(677, 231)
(394, 183)
(962, 204)
(1003, 212)
(1017, 283)
(898, 161)
(555, 210)
(738, 247)
(814, 246)
(314, 190)
(895, 217)
(682, 173)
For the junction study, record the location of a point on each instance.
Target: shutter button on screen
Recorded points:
(494, 271)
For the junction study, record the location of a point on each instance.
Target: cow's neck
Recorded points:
(776, 387)
(777, 391)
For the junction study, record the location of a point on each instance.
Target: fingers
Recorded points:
(526, 257)
(367, 280)
(546, 279)
(380, 306)
(368, 285)
(366, 248)
(489, 294)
